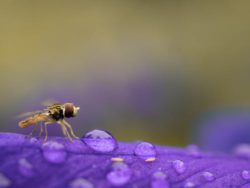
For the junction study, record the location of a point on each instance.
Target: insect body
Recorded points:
(54, 113)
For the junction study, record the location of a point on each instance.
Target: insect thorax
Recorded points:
(56, 114)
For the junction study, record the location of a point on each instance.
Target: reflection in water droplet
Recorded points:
(80, 183)
(4, 181)
(208, 176)
(179, 166)
(189, 184)
(245, 174)
(145, 151)
(100, 141)
(120, 174)
(159, 180)
(25, 168)
(54, 152)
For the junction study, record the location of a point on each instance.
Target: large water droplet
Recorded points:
(179, 166)
(80, 183)
(120, 174)
(145, 151)
(25, 168)
(159, 180)
(245, 174)
(208, 176)
(54, 152)
(4, 181)
(100, 141)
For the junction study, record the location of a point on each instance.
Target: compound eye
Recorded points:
(68, 110)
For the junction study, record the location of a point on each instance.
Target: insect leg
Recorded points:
(41, 129)
(65, 131)
(34, 130)
(70, 128)
(45, 129)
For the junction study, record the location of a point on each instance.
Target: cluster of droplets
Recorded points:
(120, 173)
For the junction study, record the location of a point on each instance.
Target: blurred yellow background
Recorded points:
(143, 70)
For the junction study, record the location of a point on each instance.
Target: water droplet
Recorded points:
(54, 152)
(189, 184)
(179, 166)
(100, 141)
(245, 174)
(33, 140)
(80, 183)
(4, 181)
(208, 176)
(159, 180)
(159, 175)
(119, 175)
(145, 151)
(242, 150)
(25, 168)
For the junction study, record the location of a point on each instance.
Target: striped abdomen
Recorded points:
(31, 120)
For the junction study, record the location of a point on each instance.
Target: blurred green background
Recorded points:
(143, 70)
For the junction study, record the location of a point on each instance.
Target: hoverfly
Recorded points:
(54, 113)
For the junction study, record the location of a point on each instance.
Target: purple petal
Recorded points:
(29, 162)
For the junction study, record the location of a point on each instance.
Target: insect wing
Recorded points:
(33, 113)
(50, 102)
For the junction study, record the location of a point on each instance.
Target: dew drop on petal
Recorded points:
(159, 180)
(189, 184)
(100, 141)
(4, 181)
(25, 168)
(145, 151)
(120, 174)
(54, 152)
(33, 140)
(245, 174)
(179, 166)
(159, 175)
(80, 183)
(208, 176)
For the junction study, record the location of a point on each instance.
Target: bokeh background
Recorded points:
(143, 70)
